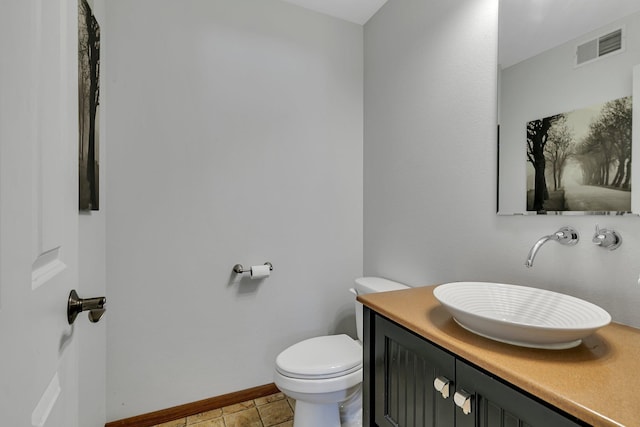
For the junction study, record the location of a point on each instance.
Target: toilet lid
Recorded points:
(321, 357)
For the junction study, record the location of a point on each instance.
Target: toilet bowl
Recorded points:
(324, 374)
(319, 373)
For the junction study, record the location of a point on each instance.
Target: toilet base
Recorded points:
(316, 414)
(351, 410)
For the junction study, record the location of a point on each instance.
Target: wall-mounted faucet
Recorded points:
(564, 236)
(608, 239)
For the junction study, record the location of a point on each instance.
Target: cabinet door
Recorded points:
(497, 404)
(405, 367)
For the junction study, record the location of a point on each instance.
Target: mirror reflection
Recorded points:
(565, 110)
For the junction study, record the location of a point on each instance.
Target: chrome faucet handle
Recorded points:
(607, 239)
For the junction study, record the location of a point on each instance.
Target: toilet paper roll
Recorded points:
(260, 271)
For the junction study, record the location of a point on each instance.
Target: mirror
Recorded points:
(567, 73)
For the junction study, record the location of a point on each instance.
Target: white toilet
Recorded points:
(324, 374)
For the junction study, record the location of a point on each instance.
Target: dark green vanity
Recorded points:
(400, 372)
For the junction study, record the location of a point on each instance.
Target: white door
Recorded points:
(38, 213)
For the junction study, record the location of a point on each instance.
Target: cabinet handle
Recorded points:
(463, 400)
(442, 384)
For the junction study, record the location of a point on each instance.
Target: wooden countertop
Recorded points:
(595, 381)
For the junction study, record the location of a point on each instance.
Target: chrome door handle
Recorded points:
(76, 305)
(463, 400)
(442, 385)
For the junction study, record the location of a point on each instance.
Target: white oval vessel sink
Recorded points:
(521, 315)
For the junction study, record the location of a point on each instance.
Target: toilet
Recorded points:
(324, 374)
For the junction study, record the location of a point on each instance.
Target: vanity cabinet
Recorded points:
(402, 371)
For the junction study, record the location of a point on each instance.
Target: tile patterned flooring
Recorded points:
(275, 410)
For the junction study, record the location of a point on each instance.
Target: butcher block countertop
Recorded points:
(597, 381)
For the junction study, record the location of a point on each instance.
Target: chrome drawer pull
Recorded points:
(463, 400)
(442, 384)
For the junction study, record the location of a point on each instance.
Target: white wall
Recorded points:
(430, 167)
(235, 136)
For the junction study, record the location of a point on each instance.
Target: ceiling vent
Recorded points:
(599, 47)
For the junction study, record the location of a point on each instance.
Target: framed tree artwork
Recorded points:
(580, 160)
(88, 103)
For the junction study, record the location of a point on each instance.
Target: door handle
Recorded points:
(76, 305)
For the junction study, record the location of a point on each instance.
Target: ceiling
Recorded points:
(529, 27)
(357, 11)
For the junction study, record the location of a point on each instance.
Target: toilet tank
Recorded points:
(369, 285)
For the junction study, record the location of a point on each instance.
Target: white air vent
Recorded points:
(596, 48)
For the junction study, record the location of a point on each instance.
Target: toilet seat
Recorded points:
(321, 358)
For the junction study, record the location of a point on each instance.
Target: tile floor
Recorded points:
(270, 411)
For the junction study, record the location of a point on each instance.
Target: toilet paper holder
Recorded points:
(238, 268)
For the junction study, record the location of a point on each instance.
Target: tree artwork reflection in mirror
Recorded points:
(581, 160)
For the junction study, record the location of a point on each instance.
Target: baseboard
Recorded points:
(181, 411)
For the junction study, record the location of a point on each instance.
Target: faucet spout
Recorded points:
(565, 236)
(536, 247)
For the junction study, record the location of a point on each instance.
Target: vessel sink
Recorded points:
(521, 315)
